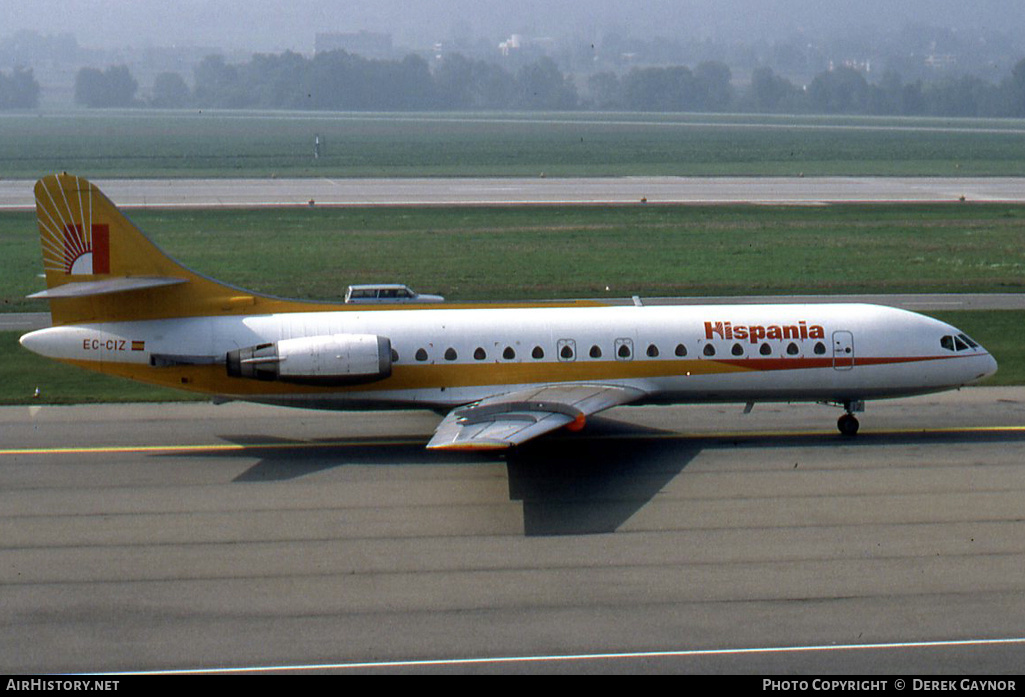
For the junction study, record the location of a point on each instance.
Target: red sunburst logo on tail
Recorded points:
(74, 242)
(86, 254)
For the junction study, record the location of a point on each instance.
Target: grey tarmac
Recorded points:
(229, 193)
(193, 536)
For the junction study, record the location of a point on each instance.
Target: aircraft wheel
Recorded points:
(848, 424)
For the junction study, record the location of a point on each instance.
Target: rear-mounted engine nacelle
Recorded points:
(338, 359)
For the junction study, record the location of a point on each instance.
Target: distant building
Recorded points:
(862, 66)
(513, 43)
(518, 43)
(362, 43)
(940, 61)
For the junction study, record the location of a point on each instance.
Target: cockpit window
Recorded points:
(961, 342)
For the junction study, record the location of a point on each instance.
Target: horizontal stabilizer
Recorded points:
(84, 289)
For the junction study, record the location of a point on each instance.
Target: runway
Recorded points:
(683, 539)
(237, 193)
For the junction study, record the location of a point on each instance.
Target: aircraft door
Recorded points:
(843, 350)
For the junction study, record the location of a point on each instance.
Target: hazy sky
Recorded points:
(275, 25)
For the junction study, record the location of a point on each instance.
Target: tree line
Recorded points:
(338, 80)
(843, 90)
(19, 90)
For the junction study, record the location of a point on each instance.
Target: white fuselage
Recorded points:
(445, 357)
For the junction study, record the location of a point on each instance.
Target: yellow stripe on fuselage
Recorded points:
(213, 379)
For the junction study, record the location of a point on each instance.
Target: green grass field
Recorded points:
(475, 254)
(259, 144)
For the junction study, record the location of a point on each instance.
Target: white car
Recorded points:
(388, 293)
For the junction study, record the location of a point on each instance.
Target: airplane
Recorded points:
(502, 373)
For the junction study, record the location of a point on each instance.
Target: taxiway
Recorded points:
(697, 539)
(918, 302)
(229, 193)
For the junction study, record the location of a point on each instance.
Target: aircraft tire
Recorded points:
(848, 425)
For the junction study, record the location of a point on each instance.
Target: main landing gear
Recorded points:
(848, 423)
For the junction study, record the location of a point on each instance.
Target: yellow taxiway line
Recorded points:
(303, 445)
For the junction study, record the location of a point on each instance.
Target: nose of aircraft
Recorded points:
(987, 365)
(979, 363)
(979, 366)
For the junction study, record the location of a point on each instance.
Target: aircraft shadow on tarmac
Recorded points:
(569, 484)
(572, 485)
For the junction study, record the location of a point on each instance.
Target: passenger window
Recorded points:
(765, 349)
(652, 351)
(508, 354)
(421, 355)
(595, 352)
(479, 354)
(538, 353)
(792, 349)
(820, 348)
(450, 354)
(709, 350)
(567, 349)
(738, 350)
(681, 350)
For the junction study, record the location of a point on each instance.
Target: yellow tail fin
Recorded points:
(100, 267)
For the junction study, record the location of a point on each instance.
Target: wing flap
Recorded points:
(512, 418)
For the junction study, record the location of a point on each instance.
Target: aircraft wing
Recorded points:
(512, 418)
